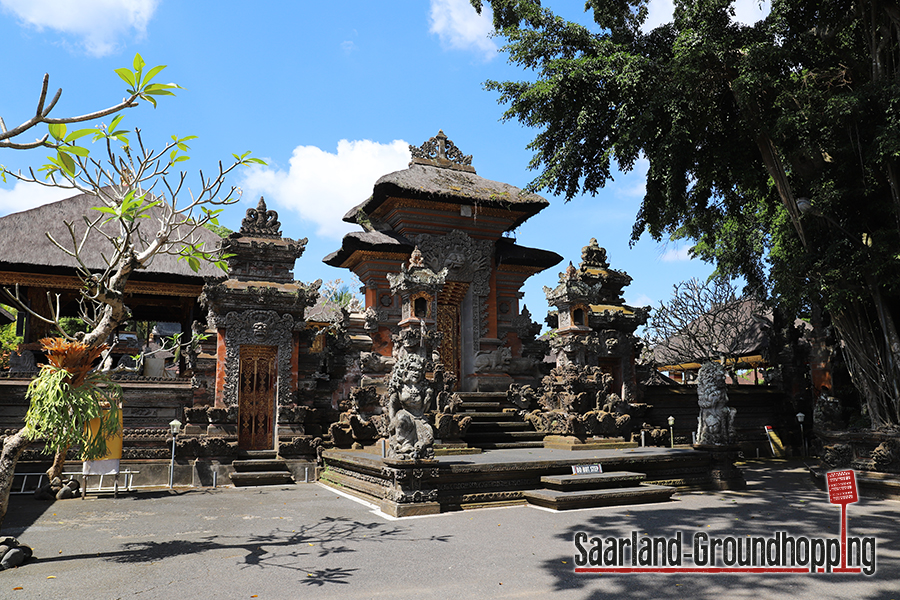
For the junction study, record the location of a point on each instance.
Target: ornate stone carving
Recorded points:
(468, 260)
(261, 222)
(372, 362)
(440, 151)
(22, 362)
(465, 258)
(409, 397)
(886, 457)
(495, 361)
(715, 425)
(258, 327)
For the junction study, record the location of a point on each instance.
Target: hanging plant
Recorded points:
(67, 394)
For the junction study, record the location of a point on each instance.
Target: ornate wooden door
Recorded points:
(448, 324)
(256, 397)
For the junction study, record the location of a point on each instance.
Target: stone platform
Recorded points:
(499, 477)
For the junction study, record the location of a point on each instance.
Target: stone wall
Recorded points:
(757, 406)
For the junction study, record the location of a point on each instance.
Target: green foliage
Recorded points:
(73, 325)
(737, 123)
(59, 414)
(697, 97)
(219, 230)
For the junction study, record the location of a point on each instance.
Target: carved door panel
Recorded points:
(448, 324)
(256, 397)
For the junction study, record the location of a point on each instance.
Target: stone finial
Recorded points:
(261, 222)
(415, 260)
(440, 151)
(571, 273)
(593, 255)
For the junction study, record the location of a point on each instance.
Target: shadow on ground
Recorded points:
(782, 498)
(278, 549)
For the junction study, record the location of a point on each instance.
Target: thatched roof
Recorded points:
(425, 182)
(511, 253)
(24, 245)
(742, 332)
(374, 241)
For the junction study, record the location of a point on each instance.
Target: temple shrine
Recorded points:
(459, 223)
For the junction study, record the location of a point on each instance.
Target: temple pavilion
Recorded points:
(460, 222)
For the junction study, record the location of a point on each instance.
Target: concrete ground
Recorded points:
(307, 540)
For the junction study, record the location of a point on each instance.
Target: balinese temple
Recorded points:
(457, 220)
(594, 325)
(257, 313)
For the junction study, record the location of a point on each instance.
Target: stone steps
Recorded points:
(504, 445)
(504, 436)
(592, 480)
(261, 467)
(592, 490)
(473, 406)
(477, 426)
(560, 500)
(493, 427)
(489, 416)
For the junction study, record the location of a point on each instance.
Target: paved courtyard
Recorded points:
(308, 541)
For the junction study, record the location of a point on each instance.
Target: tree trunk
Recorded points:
(13, 445)
(59, 461)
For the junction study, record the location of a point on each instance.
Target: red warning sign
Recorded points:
(842, 487)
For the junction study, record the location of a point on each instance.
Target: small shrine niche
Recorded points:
(258, 314)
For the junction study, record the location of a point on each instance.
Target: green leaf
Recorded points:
(80, 133)
(158, 93)
(153, 73)
(77, 150)
(138, 62)
(126, 76)
(104, 209)
(58, 131)
(68, 163)
(115, 122)
(180, 159)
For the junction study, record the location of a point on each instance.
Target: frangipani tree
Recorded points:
(144, 208)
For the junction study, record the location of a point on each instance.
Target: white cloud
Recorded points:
(23, 196)
(745, 11)
(100, 24)
(676, 254)
(458, 26)
(639, 300)
(321, 187)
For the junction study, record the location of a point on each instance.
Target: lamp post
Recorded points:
(174, 428)
(672, 431)
(800, 417)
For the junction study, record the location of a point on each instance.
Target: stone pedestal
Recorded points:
(723, 472)
(411, 487)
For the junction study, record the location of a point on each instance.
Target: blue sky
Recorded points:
(330, 94)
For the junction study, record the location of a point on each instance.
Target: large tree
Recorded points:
(144, 208)
(773, 146)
